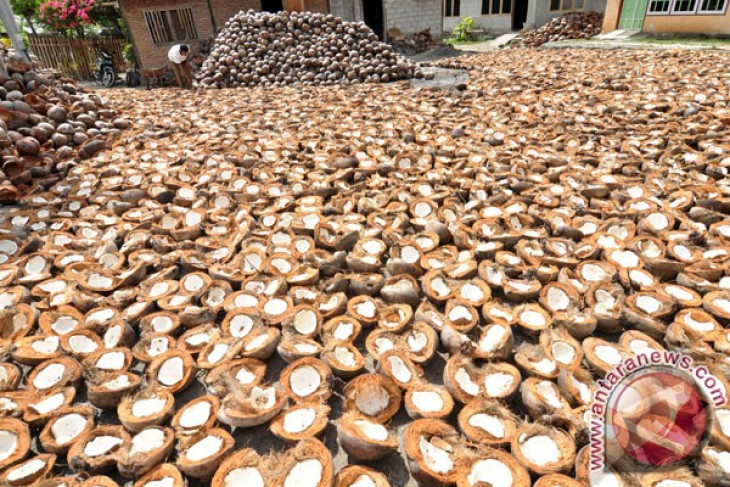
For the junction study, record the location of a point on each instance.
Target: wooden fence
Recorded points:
(75, 57)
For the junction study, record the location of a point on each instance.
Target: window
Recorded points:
(565, 5)
(713, 6)
(687, 7)
(684, 6)
(496, 7)
(452, 8)
(171, 25)
(659, 6)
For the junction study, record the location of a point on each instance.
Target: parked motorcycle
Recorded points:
(105, 73)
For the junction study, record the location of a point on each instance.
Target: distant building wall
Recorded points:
(225, 9)
(538, 11)
(497, 23)
(688, 24)
(413, 15)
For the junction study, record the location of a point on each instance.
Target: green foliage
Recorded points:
(463, 31)
(129, 55)
(25, 8)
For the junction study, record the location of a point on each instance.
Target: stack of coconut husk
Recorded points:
(419, 41)
(46, 119)
(573, 25)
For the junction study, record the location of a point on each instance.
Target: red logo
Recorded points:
(658, 418)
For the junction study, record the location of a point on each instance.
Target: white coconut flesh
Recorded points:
(67, 428)
(148, 407)
(417, 341)
(363, 481)
(491, 424)
(549, 392)
(637, 346)
(593, 273)
(159, 289)
(399, 369)
(427, 401)
(162, 324)
(111, 361)
(241, 326)
(608, 354)
(100, 282)
(101, 445)
(147, 440)
(641, 277)
(673, 483)
(723, 420)
(545, 365)
(345, 356)
(263, 398)
(64, 325)
(521, 286)
(465, 382)
(199, 339)
(246, 476)
(306, 473)
(372, 400)
(257, 342)
(275, 307)
(118, 383)
(196, 415)
(723, 304)
(583, 390)
(434, 457)
(299, 420)
(372, 247)
(202, 449)
(193, 284)
(533, 318)
(410, 254)
(157, 346)
(171, 371)
(459, 314)
(625, 258)
(384, 344)
(722, 458)
(49, 404)
(366, 309)
(493, 338)
(8, 247)
(540, 450)
(219, 351)
(306, 348)
(25, 470)
(439, 287)
(35, 265)
(490, 472)
(563, 352)
(82, 344)
(697, 324)
(602, 478)
(45, 345)
(472, 293)
(8, 444)
(305, 322)
(648, 304)
(498, 383)
(374, 431)
(304, 380)
(245, 301)
(343, 331)
(112, 336)
(49, 376)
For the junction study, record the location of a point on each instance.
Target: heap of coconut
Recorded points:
(299, 47)
(254, 282)
(572, 25)
(45, 120)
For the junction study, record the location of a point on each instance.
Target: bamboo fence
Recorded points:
(75, 57)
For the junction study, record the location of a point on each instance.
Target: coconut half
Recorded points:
(428, 401)
(309, 464)
(359, 476)
(202, 453)
(244, 467)
(106, 390)
(396, 365)
(164, 475)
(99, 449)
(307, 380)
(488, 422)
(495, 467)
(147, 449)
(544, 450)
(174, 370)
(53, 374)
(248, 406)
(14, 441)
(364, 439)
(434, 451)
(301, 421)
(65, 427)
(374, 396)
(200, 413)
(149, 407)
(344, 359)
(29, 471)
(243, 372)
(42, 407)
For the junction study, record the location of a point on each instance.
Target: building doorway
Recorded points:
(519, 15)
(272, 5)
(372, 12)
(632, 14)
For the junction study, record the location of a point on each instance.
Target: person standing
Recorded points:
(178, 56)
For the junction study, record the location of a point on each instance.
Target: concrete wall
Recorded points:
(498, 24)
(688, 24)
(225, 9)
(612, 15)
(413, 15)
(538, 11)
(344, 9)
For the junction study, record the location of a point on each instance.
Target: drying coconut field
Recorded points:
(372, 284)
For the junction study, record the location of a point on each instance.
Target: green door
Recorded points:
(632, 14)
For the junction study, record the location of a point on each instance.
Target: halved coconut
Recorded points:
(489, 422)
(340, 329)
(493, 467)
(396, 365)
(65, 427)
(96, 481)
(395, 317)
(364, 309)
(81, 343)
(261, 343)
(150, 346)
(465, 381)
(309, 464)
(334, 305)
(304, 320)
(174, 370)
(29, 471)
(576, 386)
(532, 319)
(557, 480)
(364, 439)
(164, 475)
(307, 380)
(428, 401)
(9, 376)
(293, 347)
(106, 390)
(720, 435)
(301, 421)
(603, 356)
(118, 334)
(202, 453)
(115, 360)
(244, 372)
(717, 303)
(561, 347)
(149, 407)
(14, 441)
(60, 321)
(677, 477)
(374, 396)
(495, 342)
(16, 322)
(248, 406)
(147, 449)
(32, 350)
(461, 315)
(218, 352)
(359, 476)
(195, 284)
(52, 374)
(160, 323)
(534, 361)
(193, 340)
(434, 451)
(39, 408)
(344, 359)
(540, 397)
(244, 467)
(99, 449)
(544, 450)
(637, 342)
(604, 476)
(713, 465)
(200, 413)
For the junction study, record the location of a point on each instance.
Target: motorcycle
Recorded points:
(105, 73)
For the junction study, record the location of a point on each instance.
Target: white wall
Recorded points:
(538, 11)
(413, 15)
(473, 8)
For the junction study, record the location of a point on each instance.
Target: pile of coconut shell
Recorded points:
(572, 25)
(371, 285)
(44, 120)
(299, 47)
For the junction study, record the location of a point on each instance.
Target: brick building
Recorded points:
(155, 25)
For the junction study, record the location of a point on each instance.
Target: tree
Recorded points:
(28, 9)
(67, 15)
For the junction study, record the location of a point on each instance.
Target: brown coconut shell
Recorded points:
(197, 456)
